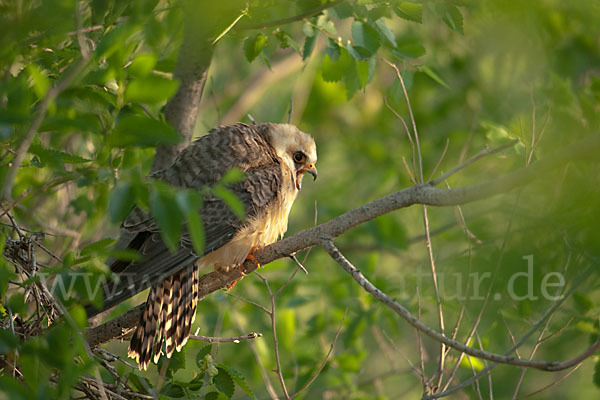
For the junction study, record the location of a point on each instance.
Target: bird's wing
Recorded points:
(245, 149)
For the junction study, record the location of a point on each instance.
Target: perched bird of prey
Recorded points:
(273, 158)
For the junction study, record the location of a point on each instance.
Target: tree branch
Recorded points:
(418, 194)
(328, 245)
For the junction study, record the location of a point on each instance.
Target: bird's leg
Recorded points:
(240, 267)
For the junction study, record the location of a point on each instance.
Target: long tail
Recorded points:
(168, 317)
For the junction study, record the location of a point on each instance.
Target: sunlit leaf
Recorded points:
(150, 89)
(253, 46)
(143, 64)
(140, 130)
(410, 11)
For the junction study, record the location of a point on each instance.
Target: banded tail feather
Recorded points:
(167, 318)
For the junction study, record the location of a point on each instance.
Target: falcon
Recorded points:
(274, 159)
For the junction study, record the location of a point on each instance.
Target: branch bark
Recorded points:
(418, 194)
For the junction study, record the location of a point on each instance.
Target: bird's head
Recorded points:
(297, 150)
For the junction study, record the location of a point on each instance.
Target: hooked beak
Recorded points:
(311, 169)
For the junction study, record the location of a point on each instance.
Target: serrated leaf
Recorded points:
(365, 36)
(335, 71)
(239, 379)
(141, 130)
(333, 49)
(232, 201)
(151, 89)
(224, 382)
(410, 11)
(384, 32)
(358, 53)
(286, 40)
(254, 45)
(46, 153)
(342, 10)
(309, 46)
(430, 73)
(121, 201)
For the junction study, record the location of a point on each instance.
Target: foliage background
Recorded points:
(477, 73)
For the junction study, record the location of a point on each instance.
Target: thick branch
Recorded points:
(419, 194)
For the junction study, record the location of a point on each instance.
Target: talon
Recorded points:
(250, 256)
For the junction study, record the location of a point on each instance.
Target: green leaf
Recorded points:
(201, 356)
(239, 379)
(309, 45)
(8, 341)
(99, 247)
(224, 382)
(168, 218)
(385, 33)
(410, 11)
(46, 153)
(342, 10)
(453, 18)
(172, 390)
(234, 175)
(232, 201)
(151, 89)
(285, 40)
(143, 64)
(335, 71)
(141, 130)
(115, 39)
(333, 49)
(41, 83)
(365, 71)
(409, 48)
(121, 201)
(190, 203)
(365, 36)
(430, 73)
(254, 45)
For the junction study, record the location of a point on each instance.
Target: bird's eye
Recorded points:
(299, 157)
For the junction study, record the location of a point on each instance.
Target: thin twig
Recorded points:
(235, 339)
(288, 20)
(316, 374)
(484, 152)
